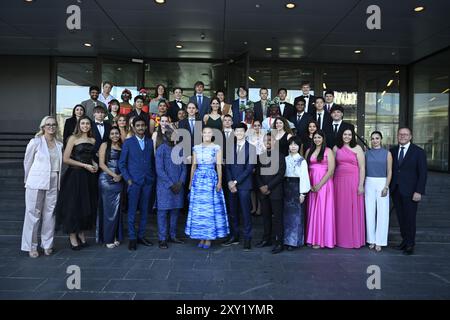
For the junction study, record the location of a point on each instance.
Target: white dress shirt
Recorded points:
(296, 167)
(338, 123)
(406, 146)
(105, 100)
(322, 114)
(101, 128)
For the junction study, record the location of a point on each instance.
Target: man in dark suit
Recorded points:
(409, 177)
(338, 126)
(138, 104)
(301, 118)
(176, 105)
(202, 102)
(137, 166)
(262, 107)
(269, 175)
(310, 100)
(329, 100)
(238, 111)
(287, 110)
(322, 117)
(240, 184)
(100, 128)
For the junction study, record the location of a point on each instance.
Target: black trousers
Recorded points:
(406, 210)
(271, 207)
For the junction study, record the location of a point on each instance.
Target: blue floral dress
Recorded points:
(207, 217)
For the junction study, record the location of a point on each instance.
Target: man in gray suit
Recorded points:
(202, 102)
(90, 104)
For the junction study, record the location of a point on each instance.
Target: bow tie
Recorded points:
(306, 96)
(99, 124)
(178, 101)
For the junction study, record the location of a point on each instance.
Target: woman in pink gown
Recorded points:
(320, 224)
(349, 192)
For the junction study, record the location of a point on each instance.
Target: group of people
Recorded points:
(299, 165)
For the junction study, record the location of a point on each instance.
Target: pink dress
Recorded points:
(349, 206)
(320, 224)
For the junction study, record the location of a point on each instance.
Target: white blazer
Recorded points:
(37, 164)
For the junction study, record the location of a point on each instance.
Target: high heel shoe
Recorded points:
(75, 248)
(82, 244)
(200, 245)
(206, 246)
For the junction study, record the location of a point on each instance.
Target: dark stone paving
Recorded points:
(187, 272)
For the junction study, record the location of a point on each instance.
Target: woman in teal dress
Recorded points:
(214, 118)
(207, 218)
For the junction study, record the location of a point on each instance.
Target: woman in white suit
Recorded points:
(42, 164)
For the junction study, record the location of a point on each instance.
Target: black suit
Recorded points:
(69, 128)
(301, 126)
(272, 203)
(326, 123)
(259, 112)
(331, 106)
(143, 115)
(408, 177)
(310, 108)
(98, 138)
(333, 137)
(288, 112)
(173, 110)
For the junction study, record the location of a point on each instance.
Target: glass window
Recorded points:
(344, 83)
(382, 99)
(431, 103)
(291, 77)
(123, 76)
(72, 87)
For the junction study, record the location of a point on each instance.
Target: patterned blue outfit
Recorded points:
(207, 217)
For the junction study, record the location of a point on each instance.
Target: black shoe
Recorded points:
(145, 242)
(263, 243)
(401, 246)
(75, 248)
(163, 244)
(408, 251)
(132, 245)
(289, 248)
(277, 249)
(176, 240)
(84, 244)
(247, 245)
(230, 241)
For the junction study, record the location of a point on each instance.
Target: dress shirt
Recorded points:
(296, 167)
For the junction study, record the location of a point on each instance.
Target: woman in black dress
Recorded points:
(71, 123)
(282, 133)
(77, 202)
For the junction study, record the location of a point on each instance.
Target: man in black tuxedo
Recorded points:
(287, 110)
(100, 128)
(322, 117)
(301, 118)
(338, 126)
(269, 181)
(329, 100)
(409, 177)
(310, 100)
(203, 102)
(238, 112)
(262, 107)
(176, 105)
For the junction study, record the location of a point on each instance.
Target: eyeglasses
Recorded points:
(48, 125)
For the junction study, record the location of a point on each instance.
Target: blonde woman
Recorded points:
(42, 164)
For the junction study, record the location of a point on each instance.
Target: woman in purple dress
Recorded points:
(320, 226)
(349, 192)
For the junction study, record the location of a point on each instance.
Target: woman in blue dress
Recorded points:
(207, 218)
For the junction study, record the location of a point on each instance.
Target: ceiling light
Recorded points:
(419, 9)
(397, 72)
(268, 49)
(160, 1)
(357, 51)
(251, 79)
(432, 99)
(383, 93)
(324, 86)
(390, 83)
(290, 5)
(29, 1)
(179, 46)
(446, 90)
(87, 44)
(379, 100)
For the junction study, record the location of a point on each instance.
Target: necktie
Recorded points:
(141, 144)
(335, 129)
(227, 134)
(299, 117)
(239, 148)
(319, 120)
(199, 101)
(401, 156)
(191, 122)
(328, 107)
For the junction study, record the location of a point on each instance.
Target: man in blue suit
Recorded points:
(202, 102)
(137, 166)
(409, 177)
(238, 115)
(240, 184)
